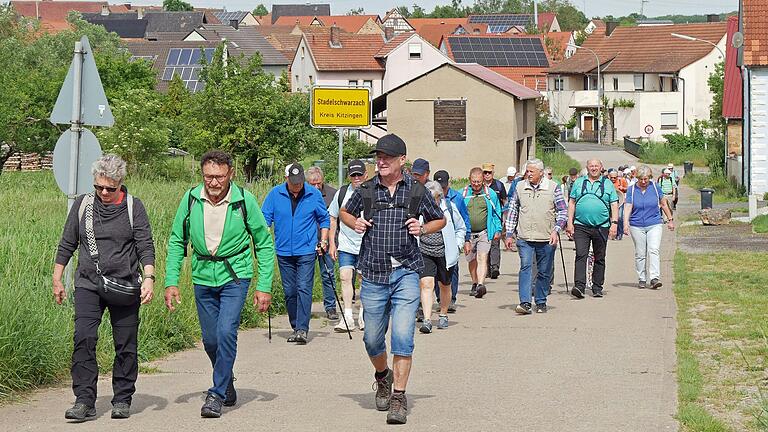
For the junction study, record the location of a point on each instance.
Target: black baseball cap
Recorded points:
(420, 166)
(390, 144)
(295, 173)
(442, 177)
(355, 166)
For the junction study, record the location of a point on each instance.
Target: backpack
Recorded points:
(342, 194)
(89, 198)
(584, 193)
(238, 206)
(487, 196)
(370, 206)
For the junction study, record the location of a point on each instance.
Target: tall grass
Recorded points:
(559, 161)
(660, 153)
(35, 333)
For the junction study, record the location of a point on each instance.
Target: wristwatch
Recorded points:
(421, 230)
(150, 276)
(615, 222)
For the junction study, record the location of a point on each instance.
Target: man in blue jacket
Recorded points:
(453, 197)
(297, 209)
(484, 226)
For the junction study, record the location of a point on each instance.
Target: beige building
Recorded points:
(458, 116)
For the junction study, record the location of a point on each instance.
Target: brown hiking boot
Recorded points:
(383, 388)
(398, 409)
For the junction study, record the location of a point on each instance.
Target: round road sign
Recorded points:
(89, 151)
(648, 129)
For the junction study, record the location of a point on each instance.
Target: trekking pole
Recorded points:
(269, 320)
(333, 285)
(562, 258)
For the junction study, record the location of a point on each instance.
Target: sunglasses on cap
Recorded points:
(100, 188)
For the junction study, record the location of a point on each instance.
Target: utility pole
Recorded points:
(642, 6)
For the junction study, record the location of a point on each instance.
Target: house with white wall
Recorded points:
(754, 65)
(407, 56)
(652, 83)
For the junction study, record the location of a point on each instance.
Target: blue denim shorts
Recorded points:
(347, 260)
(399, 300)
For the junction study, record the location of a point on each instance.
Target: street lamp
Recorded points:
(692, 39)
(599, 87)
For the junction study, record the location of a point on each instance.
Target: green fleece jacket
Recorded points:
(234, 242)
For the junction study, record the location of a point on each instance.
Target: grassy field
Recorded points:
(760, 224)
(35, 333)
(559, 161)
(660, 154)
(722, 341)
(725, 191)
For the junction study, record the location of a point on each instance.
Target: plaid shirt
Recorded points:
(388, 237)
(561, 210)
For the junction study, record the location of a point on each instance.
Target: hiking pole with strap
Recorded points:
(333, 286)
(562, 258)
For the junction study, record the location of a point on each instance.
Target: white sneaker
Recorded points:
(341, 328)
(360, 322)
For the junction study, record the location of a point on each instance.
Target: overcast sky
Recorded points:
(590, 7)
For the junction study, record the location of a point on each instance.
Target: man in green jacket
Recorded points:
(220, 219)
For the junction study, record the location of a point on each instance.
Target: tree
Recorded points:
(418, 12)
(244, 111)
(177, 6)
(260, 10)
(358, 11)
(403, 10)
(140, 134)
(454, 10)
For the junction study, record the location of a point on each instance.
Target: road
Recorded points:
(588, 365)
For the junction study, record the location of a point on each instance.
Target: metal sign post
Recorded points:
(81, 101)
(340, 108)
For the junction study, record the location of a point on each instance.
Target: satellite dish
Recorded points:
(738, 40)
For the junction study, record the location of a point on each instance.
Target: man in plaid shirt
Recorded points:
(537, 214)
(390, 263)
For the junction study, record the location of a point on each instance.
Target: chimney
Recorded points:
(711, 18)
(235, 24)
(140, 13)
(610, 26)
(335, 41)
(389, 33)
(104, 10)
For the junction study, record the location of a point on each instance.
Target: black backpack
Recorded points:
(342, 194)
(370, 206)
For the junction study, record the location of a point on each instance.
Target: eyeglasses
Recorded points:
(100, 188)
(219, 178)
(487, 172)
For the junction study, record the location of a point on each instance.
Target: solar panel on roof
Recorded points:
(500, 23)
(499, 51)
(185, 62)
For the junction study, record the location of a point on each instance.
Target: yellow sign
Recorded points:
(340, 107)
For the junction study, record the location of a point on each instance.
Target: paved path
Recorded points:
(587, 365)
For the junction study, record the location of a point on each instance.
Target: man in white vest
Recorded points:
(537, 214)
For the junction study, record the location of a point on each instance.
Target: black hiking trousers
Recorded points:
(583, 236)
(89, 309)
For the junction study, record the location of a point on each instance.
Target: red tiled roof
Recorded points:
(534, 78)
(433, 33)
(53, 14)
(348, 23)
(755, 14)
(393, 43)
(545, 20)
(598, 23)
(732, 96)
(497, 80)
(558, 45)
(649, 49)
(357, 52)
(418, 23)
(293, 20)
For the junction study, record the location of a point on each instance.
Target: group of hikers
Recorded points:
(401, 232)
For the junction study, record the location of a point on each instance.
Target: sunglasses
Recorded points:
(356, 175)
(100, 188)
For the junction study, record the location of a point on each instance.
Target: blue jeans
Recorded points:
(218, 309)
(544, 253)
(329, 297)
(397, 299)
(454, 284)
(298, 276)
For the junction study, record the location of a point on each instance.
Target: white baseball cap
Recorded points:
(511, 171)
(628, 171)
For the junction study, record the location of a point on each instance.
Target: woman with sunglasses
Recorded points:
(111, 231)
